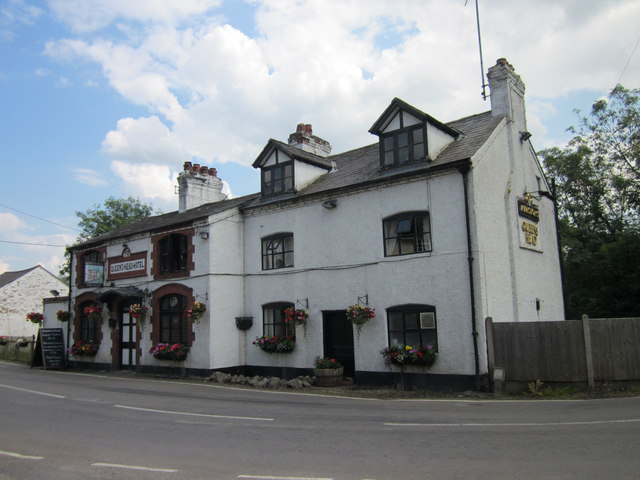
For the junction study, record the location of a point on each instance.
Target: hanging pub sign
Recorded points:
(93, 273)
(528, 224)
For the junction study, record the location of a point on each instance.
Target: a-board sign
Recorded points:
(49, 350)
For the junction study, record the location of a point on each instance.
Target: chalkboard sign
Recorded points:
(50, 348)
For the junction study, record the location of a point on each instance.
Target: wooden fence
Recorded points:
(588, 350)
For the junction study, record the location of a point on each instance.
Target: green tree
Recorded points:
(597, 176)
(101, 219)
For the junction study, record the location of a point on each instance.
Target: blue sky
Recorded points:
(109, 97)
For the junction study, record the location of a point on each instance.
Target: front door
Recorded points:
(128, 340)
(338, 339)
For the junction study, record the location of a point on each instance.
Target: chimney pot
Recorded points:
(308, 129)
(196, 167)
(204, 170)
(187, 166)
(213, 172)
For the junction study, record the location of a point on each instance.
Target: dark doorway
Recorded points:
(128, 340)
(338, 339)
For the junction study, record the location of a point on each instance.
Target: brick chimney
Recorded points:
(507, 93)
(304, 139)
(198, 185)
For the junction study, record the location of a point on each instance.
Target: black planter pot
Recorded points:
(244, 323)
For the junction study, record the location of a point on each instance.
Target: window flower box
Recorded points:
(275, 344)
(84, 349)
(168, 351)
(402, 355)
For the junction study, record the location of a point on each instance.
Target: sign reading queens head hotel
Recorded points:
(528, 224)
(134, 265)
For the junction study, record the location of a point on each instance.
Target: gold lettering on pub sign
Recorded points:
(528, 210)
(530, 233)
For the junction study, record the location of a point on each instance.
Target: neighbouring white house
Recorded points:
(22, 292)
(435, 225)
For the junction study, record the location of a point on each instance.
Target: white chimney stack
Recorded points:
(507, 93)
(198, 185)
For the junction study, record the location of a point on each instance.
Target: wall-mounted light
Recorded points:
(524, 136)
(126, 251)
(330, 204)
(204, 234)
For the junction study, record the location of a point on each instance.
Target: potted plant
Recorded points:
(138, 311)
(402, 355)
(328, 372)
(21, 342)
(196, 311)
(168, 351)
(297, 317)
(63, 316)
(358, 315)
(35, 317)
(275, 344)
(94, 312)
(84, 349)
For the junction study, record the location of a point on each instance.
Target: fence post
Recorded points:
(495, 383)
(587, 350)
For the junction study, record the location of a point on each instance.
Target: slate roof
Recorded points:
(7, 277)
(362, 165)
(355, 167)
(172, 219)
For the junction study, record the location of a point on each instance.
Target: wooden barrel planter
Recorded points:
(329, 377)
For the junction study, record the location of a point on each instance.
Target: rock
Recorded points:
(295, 383)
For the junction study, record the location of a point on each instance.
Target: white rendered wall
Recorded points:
(25, 295)
(339, 256)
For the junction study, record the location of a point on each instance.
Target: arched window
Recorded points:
(407, 233)
(173, 324)
(273, 323)
(413, 325)
(173, 253)
(89, 322)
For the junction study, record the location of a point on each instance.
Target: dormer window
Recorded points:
(278, 178)
(402, 147)
(409, 136)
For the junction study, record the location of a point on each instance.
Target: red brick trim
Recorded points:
(177, 289)
(155, 252)
(77, 313)
(102, 252)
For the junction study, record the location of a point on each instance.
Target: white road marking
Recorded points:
(134, 467)
(541, 424)
(33, 391)
(20, 456)
(207, 415)
(269, 477)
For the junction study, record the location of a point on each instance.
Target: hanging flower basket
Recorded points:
(168, 351)
(358, 315)
(196, 312)
(94, 312)
(63, 316)
(35, 317)
(84, 349)
(275, 344)
(296, 316)
(138, 311)
(402, 355)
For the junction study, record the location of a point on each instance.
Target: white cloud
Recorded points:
(89, 177)
(13, 13)
(11, 223)
(4, 267)
(215, 94)
(148, 181)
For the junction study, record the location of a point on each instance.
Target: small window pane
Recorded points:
(405, 225)
(411, 321)
(412, 339)
(396, 338)
(403, 140)
(403, 155)
(395, 321)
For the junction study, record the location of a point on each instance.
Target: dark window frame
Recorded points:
(173, 326)
(273, 323)
(408, 234)
(277, 179)
(403, 146)
(173, 253)
(88, 328)
(275, 253)
(404, 325)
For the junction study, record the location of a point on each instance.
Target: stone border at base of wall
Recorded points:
(262, 382)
